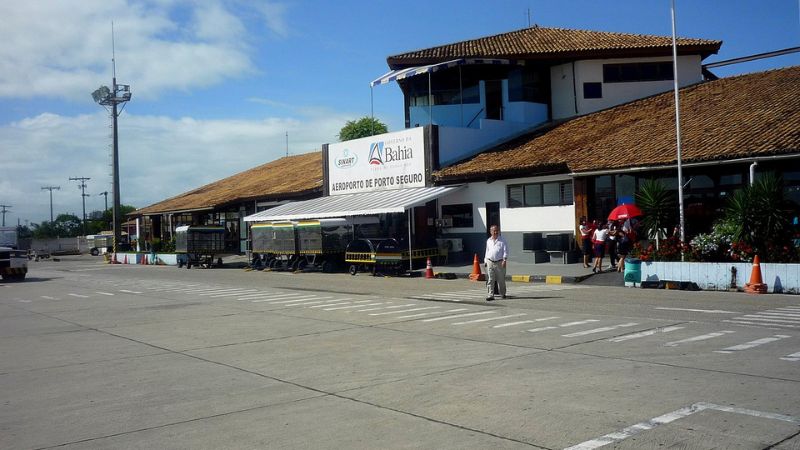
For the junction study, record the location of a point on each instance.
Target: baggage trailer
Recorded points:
(275, 245)
(322, 243)
(198, 245)
(383, 256)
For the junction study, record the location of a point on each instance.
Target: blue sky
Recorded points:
(216, 84)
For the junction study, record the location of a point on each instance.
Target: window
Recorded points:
(592, 90)
(527, 85)
(540, 194)
(461, 214)
(633, 72)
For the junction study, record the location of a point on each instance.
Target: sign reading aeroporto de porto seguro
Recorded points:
(377, 163)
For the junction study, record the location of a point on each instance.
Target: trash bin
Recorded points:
(633, 271)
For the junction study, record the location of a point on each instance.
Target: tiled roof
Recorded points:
(287, 177)
(553, 43)
(744, 116)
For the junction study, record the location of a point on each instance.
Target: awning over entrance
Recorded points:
(399, 74)
(360, 204)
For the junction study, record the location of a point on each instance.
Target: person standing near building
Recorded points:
(586, 229)
(495, 259)
(599, 240)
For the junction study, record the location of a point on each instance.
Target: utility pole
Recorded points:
(51, 188)
(105, 194)
(118, 94)
(82, 187)
(4, 210)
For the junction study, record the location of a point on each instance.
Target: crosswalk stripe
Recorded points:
(432, 312)
(458, 316)
(488, 319)
(350, 307)
(600, 330)
(792, 357)
(104, 293)
(521, 322)
(568, 324)
(129, 291)
(770, 319)
(761, 324)
(331, 304)
(751, 344)
(628, 337)
(234, 293)
(387, 307)
(78, 295)
(698, 338)
(403, 311)
(310, 297)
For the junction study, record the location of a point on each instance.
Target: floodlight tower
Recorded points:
(117, 95)
(105, 194)
(4, 210)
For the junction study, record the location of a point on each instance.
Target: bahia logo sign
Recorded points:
(346, 161)
(376, 153)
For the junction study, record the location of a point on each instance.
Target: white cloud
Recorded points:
(159, 156)
(62, 48)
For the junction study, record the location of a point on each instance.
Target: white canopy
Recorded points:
(360, 204)
(399, 74)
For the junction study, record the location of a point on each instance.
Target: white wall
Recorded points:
(535, 219)
(589, 71)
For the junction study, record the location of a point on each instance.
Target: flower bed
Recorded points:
(779, 278)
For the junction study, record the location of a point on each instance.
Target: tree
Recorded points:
(363, 127)
(658, 205)
(64, 225)
(761, 214)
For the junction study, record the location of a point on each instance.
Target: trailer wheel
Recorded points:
(353, 269)
(327, 267)
(94, 252)
(301, 264)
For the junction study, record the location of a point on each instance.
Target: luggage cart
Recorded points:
(198, 245)
(275, 245)
(322, 243)
(375, 255)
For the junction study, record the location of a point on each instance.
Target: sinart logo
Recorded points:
(345, 161)
(376, 153)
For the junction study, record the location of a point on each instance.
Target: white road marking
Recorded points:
(644, 333)
(752, 344)
(673, 416)
(761, 324)
(104, 293)
(780, 314)
(458, 316)
(350, 307)
(698, 338)
(224, 291)
(568, 324)
(331, 304)
(403, 311)
(792, 357)
(525, 321)
(600, 330)
(49, 298)
(760, 318)
(234, 293)
(488, 319)
(78, 295)
(129, 292)
(432, 312)
(386, 307)
(24, 301)
(289, 299)
(709, 311)
(307, 298)
(258, 295)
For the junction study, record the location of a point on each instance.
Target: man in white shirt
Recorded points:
(495, 260)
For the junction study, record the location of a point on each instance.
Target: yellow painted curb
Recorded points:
(521, 278)
(552, 279)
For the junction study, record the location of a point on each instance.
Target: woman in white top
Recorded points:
(599, 242)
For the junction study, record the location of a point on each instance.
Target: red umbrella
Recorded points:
(624, 211)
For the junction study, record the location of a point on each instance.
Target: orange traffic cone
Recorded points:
(429, 269)
(476, 274)
(125, 261)
(756, 285)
